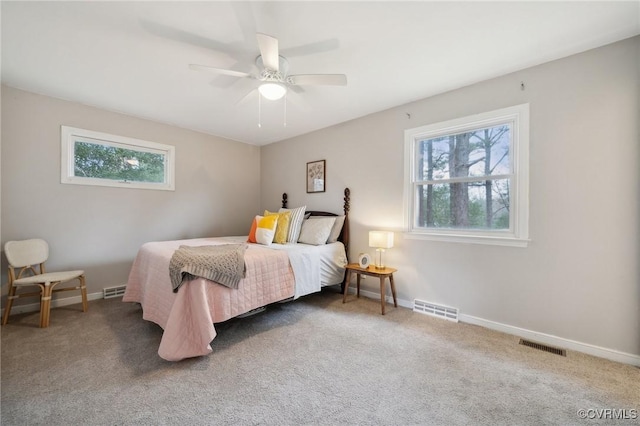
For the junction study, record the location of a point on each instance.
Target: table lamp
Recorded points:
(381, 240)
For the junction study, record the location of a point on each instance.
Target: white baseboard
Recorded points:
(62, 301)
(610, 354)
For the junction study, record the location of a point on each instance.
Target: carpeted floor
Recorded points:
(312, 361)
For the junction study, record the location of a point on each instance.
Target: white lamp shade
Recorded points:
(381, 239)
(272, 91)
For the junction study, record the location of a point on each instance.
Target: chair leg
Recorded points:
(7, 309)
(83, 290)
(45, 305)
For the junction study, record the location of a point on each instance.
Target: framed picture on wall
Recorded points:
(316, 176)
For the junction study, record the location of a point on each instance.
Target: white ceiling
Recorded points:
(133, 57)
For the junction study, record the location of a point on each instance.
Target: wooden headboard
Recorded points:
(344, 234)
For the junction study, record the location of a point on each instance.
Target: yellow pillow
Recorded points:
(265, 230)
(282, 230)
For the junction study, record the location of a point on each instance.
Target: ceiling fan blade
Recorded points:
(219, 70)
(311, 48)
(319, 79)
(246, 97)
(269, 50)
(296, 89)
(246, 21)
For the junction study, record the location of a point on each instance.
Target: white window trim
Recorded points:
(518, 234)
(68, 136)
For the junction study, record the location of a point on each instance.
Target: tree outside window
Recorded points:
(467, 179)
(464, 180)
(95, 158)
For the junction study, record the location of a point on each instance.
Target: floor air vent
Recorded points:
(541, 347)
(435, 310)
(116, 291)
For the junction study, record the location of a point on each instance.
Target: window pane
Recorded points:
(468, 205)
(481, 152)
(93, 160)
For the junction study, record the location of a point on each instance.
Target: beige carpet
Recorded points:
(313, 361)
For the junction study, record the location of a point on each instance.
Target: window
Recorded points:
(93, 158)
(466, 180)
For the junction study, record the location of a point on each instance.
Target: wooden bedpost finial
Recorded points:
(284, 200)
(347, 200)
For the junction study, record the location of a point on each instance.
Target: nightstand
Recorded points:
(386, 272)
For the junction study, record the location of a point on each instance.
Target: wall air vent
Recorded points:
(435, 310)
(543, 347)
(116, 291)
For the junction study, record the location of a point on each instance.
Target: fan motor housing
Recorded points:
(283, 64)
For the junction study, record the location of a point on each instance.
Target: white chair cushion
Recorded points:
(49, 277)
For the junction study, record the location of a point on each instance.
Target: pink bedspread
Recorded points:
(187, 316)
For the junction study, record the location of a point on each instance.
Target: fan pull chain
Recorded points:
(259, 111)
(285, 109)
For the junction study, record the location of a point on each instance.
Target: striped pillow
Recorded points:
(295, 223)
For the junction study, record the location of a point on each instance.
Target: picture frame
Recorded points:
(316, 176)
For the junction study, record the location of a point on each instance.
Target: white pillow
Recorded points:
(316, 230)
(335, 231)
(295, 222)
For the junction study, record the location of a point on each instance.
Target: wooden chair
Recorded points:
(25, 255)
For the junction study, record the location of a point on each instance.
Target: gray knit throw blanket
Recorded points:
(223, 264)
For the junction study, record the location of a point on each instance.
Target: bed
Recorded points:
(277, 272)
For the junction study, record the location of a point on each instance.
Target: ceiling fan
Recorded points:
(274, 71)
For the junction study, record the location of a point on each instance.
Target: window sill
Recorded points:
(469, 239)
(75, 180)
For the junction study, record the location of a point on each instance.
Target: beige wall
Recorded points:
(100, 229)
(579, 279)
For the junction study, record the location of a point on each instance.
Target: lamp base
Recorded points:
(378, 264)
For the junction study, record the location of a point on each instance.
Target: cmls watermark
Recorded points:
(608, 413)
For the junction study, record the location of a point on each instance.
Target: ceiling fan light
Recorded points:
(272, 91)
